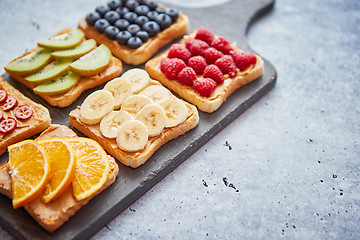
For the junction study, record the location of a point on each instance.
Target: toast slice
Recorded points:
(147, 49)
(135, 159)
(54, 214)
(113, 70)
(39, 121)
(221, 91)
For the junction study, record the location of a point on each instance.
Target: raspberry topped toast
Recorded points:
(204, 69)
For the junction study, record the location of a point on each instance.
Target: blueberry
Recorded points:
(102, 10)
(152, 15)
(123, 37)
(173, 13)
(144, 36)
(92, 17)
(141, 20)
(152, 28)
(111, 32)
(163, 20)
(130, 16)
(160, 10)
(122, 24)
(114, 4)
(142, 10)
(122, 10)
(133, 29)
(101, 24)
(112, 17)
(142, 2)
(152, 5)
(131, 5)
(134, 42)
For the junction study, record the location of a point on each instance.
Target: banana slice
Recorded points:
(132, 136)
(111, 123)
(138, 77)
(120, 89)
(157, 93)
(175, 110)
(96, 106)
(135, 103)
(153, 116)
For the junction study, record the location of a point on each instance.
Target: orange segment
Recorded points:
(62, 162)
(92, 167)
(29, 170)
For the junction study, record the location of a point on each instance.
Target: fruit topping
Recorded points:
(196, 46)
(198, 63)
(114, 4)
(179, 51)
(92, 17)
(141, 20)
(1, 114)
(152, 15)
(58, 85)
(76, 52)
(111, 32)
(212, 54)
(133, 29)
(134, 42)
(144, 36)
(122, 24)
(243, 60)
(204, 86)
(227, 65)
(131, 4)
(24, 112)
(64, 41)
(175, 110)
(212, 71)
(221, 44)
(160, 10)
(102, 10)
(123, 37)
(138, 77)
(121, 89)
(186, 76)
(153, 116)
(50, 71)
(112, 16)
(9, 104)
(156, 93)
(204, 34)
(111, 123)
(3, 96)
(173, 13)
(152, 28)
(130, 16)
(132, 136)
(152, 5)
(135, 103)
(142, 10)
(163, 20)
(172, 67)
(101, 25)
(7, 125)
(122, 10)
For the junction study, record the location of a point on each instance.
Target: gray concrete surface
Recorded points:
(292, 170)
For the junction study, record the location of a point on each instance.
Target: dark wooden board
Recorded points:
(230, 20)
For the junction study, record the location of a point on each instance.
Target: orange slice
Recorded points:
(29, 170)
(92, 167)
(62, 163)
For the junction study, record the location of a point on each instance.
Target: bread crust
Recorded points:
(135, 159)
(146, 50)
(113, 70)
(221, 91)
(39, 121)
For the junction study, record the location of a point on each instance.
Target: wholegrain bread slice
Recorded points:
(39, 121)
(221, 91)
(113, 70)
(135, 159)
(54, 214)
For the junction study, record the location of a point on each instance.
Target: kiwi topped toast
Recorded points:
(60, 68)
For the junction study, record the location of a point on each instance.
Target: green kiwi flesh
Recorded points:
(58, 85)
(76, 52)
(50, 71)
(63, 41)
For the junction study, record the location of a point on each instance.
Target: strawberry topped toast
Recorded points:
(205, 69)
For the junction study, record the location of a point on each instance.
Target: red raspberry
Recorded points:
(212, 71)
(204, 86)
(243, 60)
(186, 76)
(172, 67)
(198, 63)
(227, 65)
(204, 34)
(221, 44)
(179, 51)
(211, 55)
(196, 46)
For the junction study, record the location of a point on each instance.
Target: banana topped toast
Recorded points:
(60, 68)
(20, 117)
(133, 116)
(205, 69)
(56, 212)
(134, 30)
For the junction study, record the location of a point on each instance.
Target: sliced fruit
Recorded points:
(93, 62)
(62, 164)
(96, 106)
(1, 114)
(111, 123)
(138, 77)
(3, 95)
(76, 52)
(9, 104)
(50, 71)
(24, 112)
(58, 85)
(157, 93)
(29, 171)
(120, 89)
(30, 63)
(92, 167)
(132, 136)
(153, 116)
(175, 110)
(63, 41)
(7, 125)
(135, 103)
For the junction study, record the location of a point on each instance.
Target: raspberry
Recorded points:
(221, 44)
(186, 76)
(196, 46)
(179, 51)
(227, 65)
(211, 55)
(212, 71)
(243, 60)
(204, 34)
(172, 67)
(204, 86)
(198, 63)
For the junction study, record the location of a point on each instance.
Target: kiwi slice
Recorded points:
(76, 52)
(58, 85)
(63, 41)
(30, 63)
(50, 71)
(93, 62)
